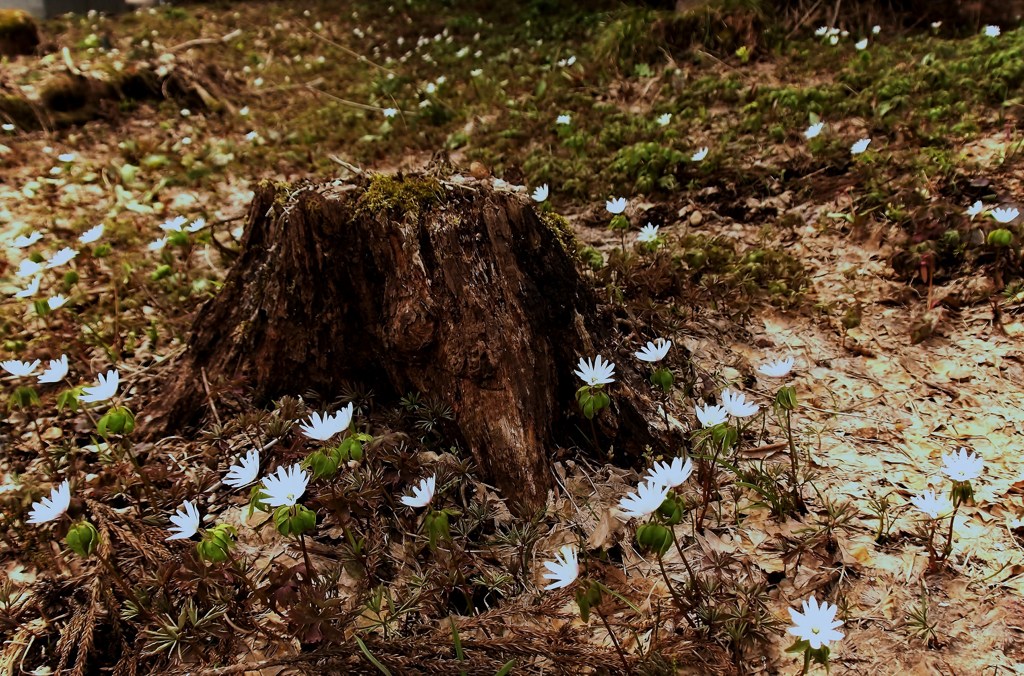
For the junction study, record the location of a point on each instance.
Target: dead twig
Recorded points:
(199, 42)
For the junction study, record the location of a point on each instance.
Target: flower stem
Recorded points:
(615, 641)
(693, 577)
(119, 580)
(683, 606)
(948, 549)
(798, 499)
(306, 559)
(593, 436)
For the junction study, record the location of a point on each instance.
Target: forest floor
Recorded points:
(905, 319)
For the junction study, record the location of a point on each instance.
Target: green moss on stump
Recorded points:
(403, 194)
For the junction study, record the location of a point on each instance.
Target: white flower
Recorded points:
(8, 127)
(173, 224)
(648, 234)
(57, 370)
(655, 351)
(31, 289)
(185, 112)
(1005, 215)
(157, 244)
(670, 475)
(936, 24)
(709, 415)
(27, 240)
(244, 111)
(992, 31)
(962, 466)
(20, 369)
(286, 487)
(476, 72)
(540, 194)
(29, 268)
(700, 154)
(186, 522)
(645, 501)
(975, 209)
(390, 112)
(61, 258)
(66, 157)
(817, 624)
(778, 368)
(931, 504)
(616, 205)
(56, 302)
(862, 44)
(325, 427)
(664, 119)
(822, 30)
(737, 405)
(564, 569)
(245, 472)
(48, 509)
(92, 234)
(814, 130)
(252, 136)
(196, 225)
(860, 146)
(564, 119)
(833, 40)
(875, 30)
(598, 372)
(421, 494)
(106, 388)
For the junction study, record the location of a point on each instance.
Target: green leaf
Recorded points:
(373, 660)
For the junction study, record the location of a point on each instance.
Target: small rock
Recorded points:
(696, 218)
(478, 170)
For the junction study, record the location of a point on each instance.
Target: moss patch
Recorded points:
(396, 193)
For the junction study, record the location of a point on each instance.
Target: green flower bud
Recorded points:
(1000, 237)
(654, 537)
(591, 400)
(962, 492)
(294, 520)
(662, 378)
(257, 499)
(82, 539)
(671, 510)
(725, 435)
(619, 222)
(70, 279)
(785, 399)
(324, 465)
(102, 250)
(69, 399)
(217, 543)
(22, 397)
(350, 448)
(436, 523)
(118, 420)
(162, 272)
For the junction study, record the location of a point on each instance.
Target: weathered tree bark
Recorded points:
(405, 283)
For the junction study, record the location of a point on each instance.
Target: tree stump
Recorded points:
(408, 283)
